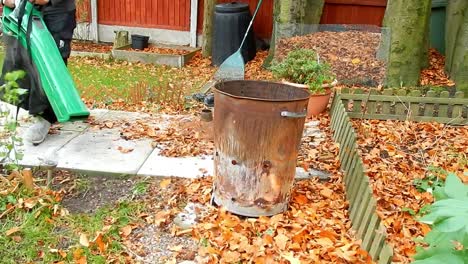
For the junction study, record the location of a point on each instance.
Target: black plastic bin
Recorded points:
(229, 26)
(139, 42)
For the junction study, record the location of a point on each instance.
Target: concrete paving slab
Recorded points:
(81, 125)
(122, 116)
(195, 167)
(104, 151)
(33, 154)
(184, 167)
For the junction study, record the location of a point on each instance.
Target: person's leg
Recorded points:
(62, 26)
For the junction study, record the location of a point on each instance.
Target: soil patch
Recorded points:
(86, 194)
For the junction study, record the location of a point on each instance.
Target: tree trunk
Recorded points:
(208, 14)
(292, 17)
(427, 40)
(313, 11)
(456, 41)
(408, 23)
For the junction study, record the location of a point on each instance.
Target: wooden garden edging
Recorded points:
(389, 104)
(399, 104)
(362, 204)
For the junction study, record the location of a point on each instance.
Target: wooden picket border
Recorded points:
(389, 104)
(362, 204)
(402, 104)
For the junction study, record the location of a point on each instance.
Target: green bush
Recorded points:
(303, 66)
(447, 242)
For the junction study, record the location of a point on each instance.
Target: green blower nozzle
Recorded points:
(55, 78)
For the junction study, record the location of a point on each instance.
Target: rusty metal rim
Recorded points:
(259, 99)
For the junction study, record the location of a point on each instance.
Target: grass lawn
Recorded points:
(104, 80)
(109, 80)
(40, 229)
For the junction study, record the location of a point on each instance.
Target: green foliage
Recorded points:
(448, 240)
(303, 66)
(423, 211)
(431, 181)
(140, 188)
(11, 93)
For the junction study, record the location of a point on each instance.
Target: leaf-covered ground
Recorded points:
(404, 161)
(135, 225)
(45, 226)
(315, 229)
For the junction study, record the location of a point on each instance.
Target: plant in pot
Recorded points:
(302, 68)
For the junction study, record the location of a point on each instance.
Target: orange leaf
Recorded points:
(290, 257)
(325, 242)
(230, 222)
(161, 217)
(327, 234)
(62, 253)
(281, 241)
(267, 239)
(301, 199)
(152, 132)
(124, 150)
(327, 193)
(17, 239)
(101, 245)
(109, 124)
(84, 240)
(231, 256)
(78, 256)
(176, 248)
(30, 203)
(425, 229)
(11, 231)
(163, 184)
(126, 231)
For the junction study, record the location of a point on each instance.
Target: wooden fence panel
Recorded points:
(379, 241)
(83, 11)
(162, 14)
(369, 12)
(175, 14)
(372, 234)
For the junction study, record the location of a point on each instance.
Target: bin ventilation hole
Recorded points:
(233, 199)
(217, 154)
(266, 164)
(234, 162)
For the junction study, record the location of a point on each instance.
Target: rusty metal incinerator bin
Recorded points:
(258, 128)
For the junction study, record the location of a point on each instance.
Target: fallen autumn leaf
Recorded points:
(84, 240)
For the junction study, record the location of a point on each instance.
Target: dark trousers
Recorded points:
(61, 26)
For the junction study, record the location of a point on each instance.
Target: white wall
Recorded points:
(84, 31)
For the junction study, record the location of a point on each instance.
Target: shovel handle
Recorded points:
(250, 24)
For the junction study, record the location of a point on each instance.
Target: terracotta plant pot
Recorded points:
(317, 102)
